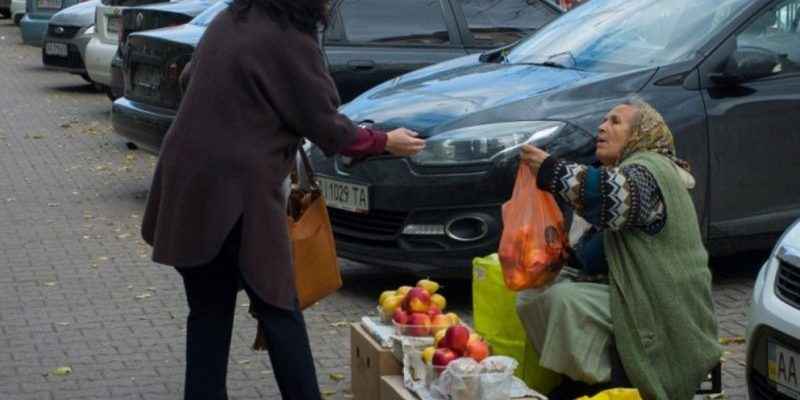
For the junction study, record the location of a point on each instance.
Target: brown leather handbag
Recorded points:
(316, 268)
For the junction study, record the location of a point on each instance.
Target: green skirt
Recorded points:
(569, 323)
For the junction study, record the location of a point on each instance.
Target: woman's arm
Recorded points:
(609, 198)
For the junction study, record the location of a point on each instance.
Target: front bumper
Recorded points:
(403, 195)
(34, 29)
(771, 319)
(73, 63)
(98, 60)
(143, 125)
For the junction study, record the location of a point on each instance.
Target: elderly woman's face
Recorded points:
(614, 132)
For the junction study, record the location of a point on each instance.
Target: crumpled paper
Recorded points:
(379, 331)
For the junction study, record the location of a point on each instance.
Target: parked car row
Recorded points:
(479, 81)
(86, 37)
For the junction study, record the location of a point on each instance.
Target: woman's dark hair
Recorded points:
(304, 15)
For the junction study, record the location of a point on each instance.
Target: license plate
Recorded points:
(56, 49)
(784, 369)
(147, 77)
(113, 24)
(344, 195)
(48, 4)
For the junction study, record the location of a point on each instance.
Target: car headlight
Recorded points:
(89, 30)
(483, 143)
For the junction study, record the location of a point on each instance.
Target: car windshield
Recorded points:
(617, 35)
(205, 17)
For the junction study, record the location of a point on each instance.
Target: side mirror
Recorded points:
(746, 64)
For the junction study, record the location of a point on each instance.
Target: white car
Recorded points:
(773, 332)
(17, 10)
(103, 45)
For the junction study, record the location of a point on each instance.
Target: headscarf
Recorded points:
(651, 133)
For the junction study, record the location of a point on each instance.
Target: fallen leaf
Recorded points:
(340, 324)
(66, 125)
(124, 236)
(328, 392)
(144, 296)
(245, 305)
(336, 377)
(53, 204)
(61, 371)
(37, 136)
(242, 362)
(62, 323)
(266, 371)
(732, 340)
(102, 258)
(50, 284)
(716, 396)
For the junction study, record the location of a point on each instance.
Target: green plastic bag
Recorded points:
(495, 317)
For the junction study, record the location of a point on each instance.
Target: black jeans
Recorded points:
(211, 293)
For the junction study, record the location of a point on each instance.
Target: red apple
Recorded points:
(400, 316)
(457, 338)
(420, 324)
(442, 357)
(418, 300)
(477, 349)
(433, 311)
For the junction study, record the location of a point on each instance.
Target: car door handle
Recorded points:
(361, 65)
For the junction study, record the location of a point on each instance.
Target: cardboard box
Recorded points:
(368, 363)
(392, 388)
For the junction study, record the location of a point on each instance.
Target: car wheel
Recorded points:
(110, 94)
(86, 77)
(131, 146)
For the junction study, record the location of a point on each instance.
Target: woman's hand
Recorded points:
(533, 157)
(403, 142)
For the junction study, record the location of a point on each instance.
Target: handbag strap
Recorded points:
(309, 171)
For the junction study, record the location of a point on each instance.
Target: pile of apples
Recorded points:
(455, 342)
(417, 311)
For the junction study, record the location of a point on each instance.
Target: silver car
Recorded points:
(67, 34)
(773, 332)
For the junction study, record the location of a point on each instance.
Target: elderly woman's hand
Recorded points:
(533, 157)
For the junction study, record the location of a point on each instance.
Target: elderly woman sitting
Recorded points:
(651, 322)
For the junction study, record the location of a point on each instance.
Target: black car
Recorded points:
(149, 17)
(367, 43)
(724, 73)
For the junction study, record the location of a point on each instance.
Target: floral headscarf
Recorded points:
(651, 133)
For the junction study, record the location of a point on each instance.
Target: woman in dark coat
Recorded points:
(217, 206)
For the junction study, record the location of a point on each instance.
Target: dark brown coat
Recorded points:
(255, 90)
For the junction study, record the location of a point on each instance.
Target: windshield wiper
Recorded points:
(552, 62)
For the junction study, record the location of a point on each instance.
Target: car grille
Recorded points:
(372, 226)
(72, 60)
(64, 32)
(761, 389)
(787, 284)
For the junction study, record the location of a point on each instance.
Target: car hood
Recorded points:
(81, 14)
(466, 92)
(188, 34)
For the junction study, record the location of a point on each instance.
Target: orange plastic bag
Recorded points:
(534, 241)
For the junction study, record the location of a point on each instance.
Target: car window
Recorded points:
(495, 23)
(397, 22)
(776, 32)
(619, 35)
